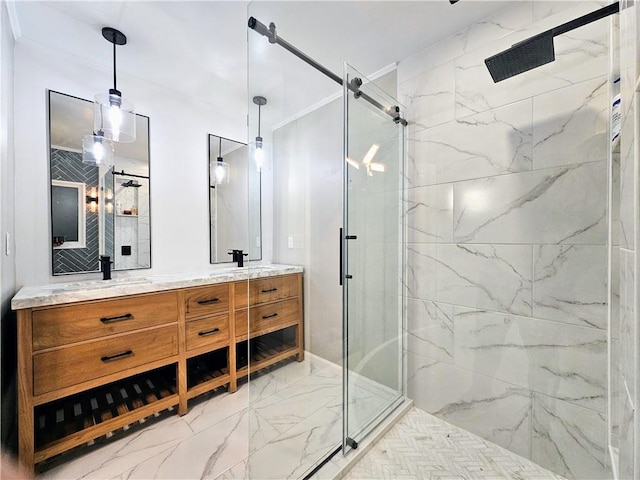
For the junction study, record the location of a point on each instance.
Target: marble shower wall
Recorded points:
(625, 357)
(507, 248)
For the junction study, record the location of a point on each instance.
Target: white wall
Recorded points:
(7, 262)
(179, 162)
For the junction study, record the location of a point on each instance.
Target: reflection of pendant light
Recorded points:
(221, 169)
(97, 150)
(111, 113)
(259, 153)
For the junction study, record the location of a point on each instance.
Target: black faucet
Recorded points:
(105, 266)
(238, 256)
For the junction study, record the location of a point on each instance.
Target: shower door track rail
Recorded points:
(354, 85)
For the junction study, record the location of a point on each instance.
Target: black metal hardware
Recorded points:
(122, 172)
(105, 266)
(126, 316)
(341, 256)
(348, 276)
(264, 317)
(209, 332)
(117, 356)
(273, 37)
(352, 443)
(269, 290)
(351, 237)
(238, 256)
(208, 302)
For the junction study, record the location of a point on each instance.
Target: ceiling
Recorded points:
(199, 48)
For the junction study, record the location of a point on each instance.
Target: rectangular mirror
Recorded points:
(234, 201)
(96, 210)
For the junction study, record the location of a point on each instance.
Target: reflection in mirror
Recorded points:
(96, 210)
(234, 202)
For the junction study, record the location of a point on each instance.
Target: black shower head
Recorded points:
(521, 57)
(131, 183)
(536, 51)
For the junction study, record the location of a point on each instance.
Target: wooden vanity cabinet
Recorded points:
(88, 368)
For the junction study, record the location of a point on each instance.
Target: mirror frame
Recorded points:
(210, 188)
(49, 151)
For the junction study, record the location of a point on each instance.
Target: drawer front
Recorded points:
(75, 364)
(207, 332)
(266, 317)
(263, 290)
(210, 300)
(56, 326)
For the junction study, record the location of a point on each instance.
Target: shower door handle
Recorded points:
(341, 259)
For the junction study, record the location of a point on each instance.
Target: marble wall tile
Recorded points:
(559, 205)
(496, 277)
(565, 10)
(429, 214)
(580, 55)
(614, 324)
(570, 125)
(628, 442)
(562, 361)
(628, 322)
(430, 329)
(627, 185)
(616, 392)
(428, 97)
(569, 440)
(459, 150)
(495, 410)
(570, 284)
(615, 199)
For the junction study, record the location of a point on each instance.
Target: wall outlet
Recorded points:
(290, 241)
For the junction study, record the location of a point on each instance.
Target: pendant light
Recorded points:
(97, 150)
(112, 114)
(258, 154)
(221, 168)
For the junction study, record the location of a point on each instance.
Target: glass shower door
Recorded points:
(371, 239)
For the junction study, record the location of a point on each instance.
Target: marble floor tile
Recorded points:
(421, 446)
(204, 455)
(116, 457)
(297, 450)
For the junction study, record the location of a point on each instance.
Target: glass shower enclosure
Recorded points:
(372, 240)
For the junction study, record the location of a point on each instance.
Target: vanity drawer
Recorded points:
(209, 300)
(58, 326)
(207, 332)
(268, 317)
(75, 364)
(265, 290)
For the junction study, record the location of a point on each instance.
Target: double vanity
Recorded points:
(94, 357)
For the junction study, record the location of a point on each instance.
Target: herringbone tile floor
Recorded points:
(421, 446)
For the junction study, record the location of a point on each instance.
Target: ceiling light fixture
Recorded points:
(97, 150)
(259, 153)
(113, 115)
(221, 169)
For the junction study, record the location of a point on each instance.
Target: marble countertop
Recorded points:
(59, 293)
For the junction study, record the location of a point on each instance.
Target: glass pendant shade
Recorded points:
(97, 150)
(258, 154)
(220, 172)
(115, 117)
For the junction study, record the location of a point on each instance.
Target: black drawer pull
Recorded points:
(208, 302)
(269, 290)
(264, 317)
(127, 316)
(109, 358)
(209, 332)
